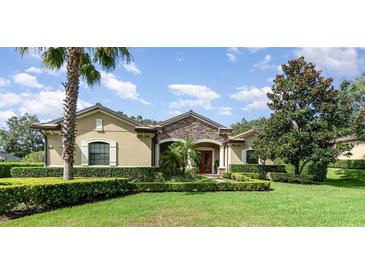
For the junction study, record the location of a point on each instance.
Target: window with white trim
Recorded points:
(99, 154)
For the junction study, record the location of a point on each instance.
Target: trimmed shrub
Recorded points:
(29, 194)
(240, 177)
(255, 168)
(142, 174)
(34, 157)
(227, 175)
(252, 175)
(49, 195)
(199, 187)
(349, 164)
(290, 178)
(5, 167)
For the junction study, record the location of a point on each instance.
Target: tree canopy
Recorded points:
(245, 125)
(309, 114)
(20, 139)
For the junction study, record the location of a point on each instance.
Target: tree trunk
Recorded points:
(69, 110)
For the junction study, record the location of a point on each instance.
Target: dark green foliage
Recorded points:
(309, 114)
(290, 178)
(349, 164)
(142, 120)
(200, 186)
(261, 169)
(245, 125)
(227, 175)
(20, 139)
(40, 196)
(142, 174)
(5, 167)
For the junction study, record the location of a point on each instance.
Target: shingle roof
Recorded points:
(193, 114)
(4, 156)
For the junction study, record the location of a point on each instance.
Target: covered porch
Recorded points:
(215, 156)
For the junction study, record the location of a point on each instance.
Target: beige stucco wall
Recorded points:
(131, 149)
(358, 152)
(236, 150)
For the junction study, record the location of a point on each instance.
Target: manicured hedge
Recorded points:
(142, 174)
(227, 175)
(255, 168)
(19, 194)
(199, 187)
(5, 167)
(350, 164)
(290, 178)
(49, 195)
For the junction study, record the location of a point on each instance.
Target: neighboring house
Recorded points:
(357, 152)
(107, 138)
(7, 157)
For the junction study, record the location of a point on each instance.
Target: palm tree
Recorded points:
(80, 62)
(184, 152)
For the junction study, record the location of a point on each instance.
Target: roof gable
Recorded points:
(191, 113)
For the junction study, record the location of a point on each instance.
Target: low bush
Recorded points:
(349, 164)
(5, 167)
(142, 174)
(39, 195)
(240, 177)
(255, 168)
(290, 178)
(227, 175)
(206, 186)
(34, 157)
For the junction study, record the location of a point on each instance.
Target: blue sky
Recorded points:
(224, 84)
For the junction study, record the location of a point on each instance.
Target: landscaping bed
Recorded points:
(141, 174)
(24, 194)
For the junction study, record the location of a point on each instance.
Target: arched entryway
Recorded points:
(212, 154)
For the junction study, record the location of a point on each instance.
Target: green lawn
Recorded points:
(339, 202)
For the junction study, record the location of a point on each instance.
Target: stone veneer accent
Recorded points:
(193, 127)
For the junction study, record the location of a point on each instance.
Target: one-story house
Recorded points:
(108, 138)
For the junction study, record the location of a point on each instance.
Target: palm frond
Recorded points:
(25, 50)
(108, 58)
(54, 58)
(88, 70)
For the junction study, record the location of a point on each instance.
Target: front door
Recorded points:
(205, 165)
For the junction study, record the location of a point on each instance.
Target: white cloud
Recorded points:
(175, 112)
(124, 89)
(341, 61)
(265, 63)
(4, 82)
(249, 93)
(198, 96)
(38, 70)
(254, 50)
(232, 54)
(224, 111)
(26, 80)
(34, 70)
(255, 105)
(131, 67)
(8, 99)
(39, 103)
(254, 97)
(4, 116)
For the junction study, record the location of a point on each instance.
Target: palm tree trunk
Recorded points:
(69, 110)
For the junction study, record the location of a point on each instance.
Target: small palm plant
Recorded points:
(179, 156)
(80, 62)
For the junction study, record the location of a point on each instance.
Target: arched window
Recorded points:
(99, 154)
(251, 157)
